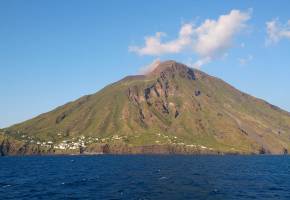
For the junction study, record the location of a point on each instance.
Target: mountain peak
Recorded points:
(171, 67)
(162, 66)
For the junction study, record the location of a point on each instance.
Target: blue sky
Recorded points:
(52, 52)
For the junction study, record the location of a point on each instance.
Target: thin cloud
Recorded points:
(246, 60)
(277, 31)
(202, 61)
(210, 40)
(149, 68)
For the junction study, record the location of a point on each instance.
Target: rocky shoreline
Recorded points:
(19, 148)
(10, 149)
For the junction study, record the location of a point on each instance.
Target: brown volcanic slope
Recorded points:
(174, 109)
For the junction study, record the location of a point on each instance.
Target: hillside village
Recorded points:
(76, 143)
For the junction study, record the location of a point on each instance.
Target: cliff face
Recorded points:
(173, 109)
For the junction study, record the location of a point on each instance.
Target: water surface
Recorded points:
(145, 177)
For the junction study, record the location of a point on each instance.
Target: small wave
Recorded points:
(214, 191)
(163, 178)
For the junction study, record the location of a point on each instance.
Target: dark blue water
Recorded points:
(145, 177)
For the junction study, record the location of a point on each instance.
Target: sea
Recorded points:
(143, 177)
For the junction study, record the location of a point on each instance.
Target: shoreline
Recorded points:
(12, 148)
(141, 154)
